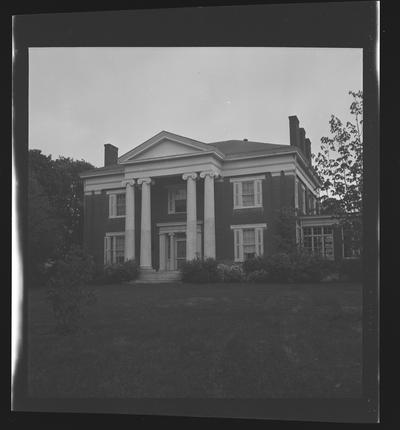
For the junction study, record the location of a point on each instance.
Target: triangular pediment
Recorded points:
(165, 144)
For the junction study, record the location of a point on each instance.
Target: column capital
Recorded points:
(171, 233)
(210, 173)
(126, 182)
(186, 176)
(141, 181)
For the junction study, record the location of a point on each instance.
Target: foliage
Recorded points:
(258, 276)
(67, 291)
(117, 273)
(44, 229)
(284, 239)
(200, 271)
(340, 165)
(61, 188)
(297, 266)
(230, 272)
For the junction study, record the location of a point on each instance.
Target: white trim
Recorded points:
(171, 200)
(112, 205)
(175, 227)
(97, 192)
(159, 137)
(241, 226)
(115, 233)
(238, 250)
(112, 251)
(116, 191)
(238, 191)
(246, 178)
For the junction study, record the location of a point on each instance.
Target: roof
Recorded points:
(236, 147)
(114, 168)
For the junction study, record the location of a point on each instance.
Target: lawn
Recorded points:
(222, 340)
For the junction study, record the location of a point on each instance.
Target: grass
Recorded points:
(202, 341)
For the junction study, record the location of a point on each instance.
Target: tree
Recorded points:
(61, 183)
(44, 227)
(55, 208)
(340, 167)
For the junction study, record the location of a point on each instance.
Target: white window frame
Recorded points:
(110, 253)
(238, 193)
(238, 239)
(343, 256)
(171, 200)
(330, 257)
(112, 203)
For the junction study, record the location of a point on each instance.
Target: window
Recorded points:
(177, 200)
(247, 193)
(114, 248)
(116, 205)
(248, 241)
(351, 248)
(319, 240)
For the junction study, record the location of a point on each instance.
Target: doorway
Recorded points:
(180, 250)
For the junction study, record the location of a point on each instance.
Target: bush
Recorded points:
(258, 276)
(298, 266)
(117, 273)
(67, 292)
(200, 271)
(230, 272)
(254, 264)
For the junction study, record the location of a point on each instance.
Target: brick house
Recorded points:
(173, 199)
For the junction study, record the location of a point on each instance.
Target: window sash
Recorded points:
(318, 240)
(248, 241)
(175, 195)
(114, 248)
(247, 194)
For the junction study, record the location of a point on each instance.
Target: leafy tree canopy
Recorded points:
(340, 162)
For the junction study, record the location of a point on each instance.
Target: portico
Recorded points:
(176, 241)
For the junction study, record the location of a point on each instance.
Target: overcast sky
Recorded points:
(82, 98)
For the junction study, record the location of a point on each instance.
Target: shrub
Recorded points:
(253, 264)
(117, 273)
(258, 276)
(279, 267)
(230, 272)
(67, 292)
(200, 271)
(297, 266)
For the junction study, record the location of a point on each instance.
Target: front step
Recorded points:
(161, 276)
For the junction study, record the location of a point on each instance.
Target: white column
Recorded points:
(145, 233)
(163, 237)
(171, 251)
(209, 214)
(191, 214)
(130, 220)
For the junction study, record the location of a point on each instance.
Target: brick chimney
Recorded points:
(308, 149)
(294, 131)
(302, 140)
(110, 154)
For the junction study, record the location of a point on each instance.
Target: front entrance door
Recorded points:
(180, 251)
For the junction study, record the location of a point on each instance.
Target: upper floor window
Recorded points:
(177, 200)
(318, 240)
(247, 192)
(114, 248)
(248, 241)
(116, 205)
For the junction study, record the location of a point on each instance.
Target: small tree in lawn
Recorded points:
(340, 167)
